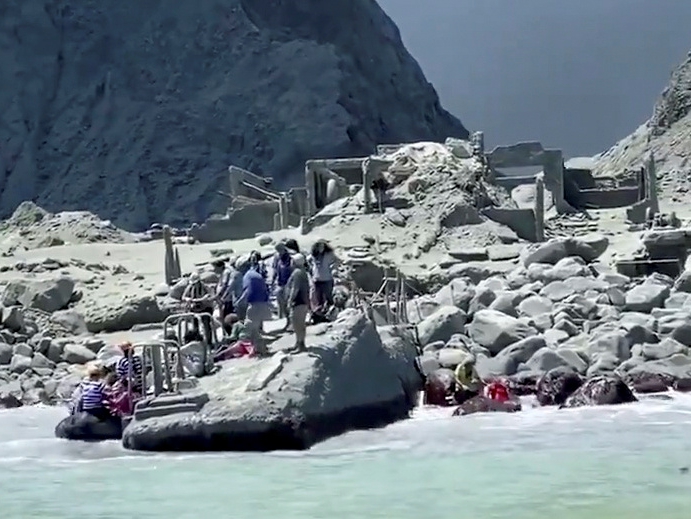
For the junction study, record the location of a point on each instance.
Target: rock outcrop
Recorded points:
(134, 112)
(348, 379)
(666, 134)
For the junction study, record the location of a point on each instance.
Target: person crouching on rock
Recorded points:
(255, 294)
(200, 300)
(298, 288)
(94, 396)
(468, 381)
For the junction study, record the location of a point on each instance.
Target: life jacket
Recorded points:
(497, 391)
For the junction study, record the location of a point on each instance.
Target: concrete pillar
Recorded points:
(168, 256)
(283, 211)
(651, 181)
(310, 186)
(366, 184)
(539, 208)
(277, 222)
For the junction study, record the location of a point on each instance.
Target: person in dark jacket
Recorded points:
(298, 300)
(282, 267)
(255, 295)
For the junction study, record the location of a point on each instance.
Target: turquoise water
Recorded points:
(619, 462)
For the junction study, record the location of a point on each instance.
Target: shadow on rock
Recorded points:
(601, 390)
(87, 427)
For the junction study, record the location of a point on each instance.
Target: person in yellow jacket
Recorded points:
(468, 380)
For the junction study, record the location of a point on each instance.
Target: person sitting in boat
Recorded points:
(468, 381)
(93, 395)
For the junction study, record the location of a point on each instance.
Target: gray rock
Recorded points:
(603, 362)
(93, 344)
(441, 325)
(20, 363)
(420, 308)
(346, 380)
(557, 291)
(677, 366)
(683, 282)
(71, 320)
(546, 359)
(614, 343)
(567, 268)
(23, 349)
(574, 360)
(5, 354)
(483, 298)
(662, 350)
(553, 336)
(506, 303)
(47, 295)
(77, 354)
(41, 361)
(535, 305)
(55, 349)
(495, 331)
(456, 293)
(646, 296)
(559, 248)
(123, 316)
(507, 362)
(13, 319)
(452, 357)
(678, 300)
(614, 279)
(10, 395)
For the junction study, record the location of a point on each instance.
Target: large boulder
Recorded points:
(556, 249)
(123, 315)
(646, 296)
(441, 325)
(601, 390)
(346, 380)
(48, 295)
(495, 330)
(555, 386)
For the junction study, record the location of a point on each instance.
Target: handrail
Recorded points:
(159, 363)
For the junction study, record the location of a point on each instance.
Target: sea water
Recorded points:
(627, 462)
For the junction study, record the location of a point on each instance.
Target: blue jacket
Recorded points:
(254, 287)
(282, 268)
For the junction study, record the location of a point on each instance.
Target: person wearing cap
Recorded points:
(298, 288)
(282, 267)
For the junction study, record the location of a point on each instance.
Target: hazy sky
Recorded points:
(575, 74)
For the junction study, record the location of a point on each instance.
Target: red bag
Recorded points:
(497, 391)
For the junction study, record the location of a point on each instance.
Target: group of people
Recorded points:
(110, 390)
(302, 286)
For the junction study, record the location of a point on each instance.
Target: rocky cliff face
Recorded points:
(135, 110)
(667, 134)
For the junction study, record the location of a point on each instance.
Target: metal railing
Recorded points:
(160, 355)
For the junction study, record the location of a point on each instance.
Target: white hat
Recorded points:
(298, 260)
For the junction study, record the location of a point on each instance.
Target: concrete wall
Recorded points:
(609, 198)
(525, 154)
(520, 221)
(245, 222)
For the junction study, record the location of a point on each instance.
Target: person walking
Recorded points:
(255, 294)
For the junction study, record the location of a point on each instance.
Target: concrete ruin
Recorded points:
(253, 208)
(663, 250)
